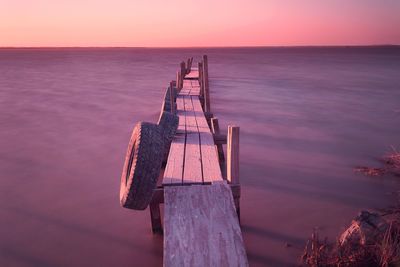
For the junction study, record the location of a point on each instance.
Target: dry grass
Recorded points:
(384, 252)
(391, 163)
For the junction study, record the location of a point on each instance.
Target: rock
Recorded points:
(366, 229)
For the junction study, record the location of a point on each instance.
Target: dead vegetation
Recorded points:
(383, 252)
(378, 244)
(391, 164)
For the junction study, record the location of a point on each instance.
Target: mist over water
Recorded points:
(308, 116)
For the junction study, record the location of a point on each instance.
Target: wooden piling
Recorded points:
(189, 65)
(233, 154)
(216, 132)
(171, 97)
(178, 80)
(207, 106)
(233, 161)
(183, 72)
(200, 71)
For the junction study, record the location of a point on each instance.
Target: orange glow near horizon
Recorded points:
(179, 23)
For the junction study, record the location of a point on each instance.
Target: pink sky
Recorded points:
(198, 23)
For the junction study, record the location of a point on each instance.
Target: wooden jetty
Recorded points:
(201, 208)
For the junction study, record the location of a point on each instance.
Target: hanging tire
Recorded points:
(168, 123)
(166, 106)
(167, 95)
(142, 166)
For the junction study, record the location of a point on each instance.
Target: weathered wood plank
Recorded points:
(194, 74)
(180, 112)
(192, 171)
(201, 227)
(173, 173)
(209, 156)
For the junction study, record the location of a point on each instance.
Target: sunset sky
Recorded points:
(178, 23)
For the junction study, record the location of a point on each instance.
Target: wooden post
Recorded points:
(233, 160)
(205, 85)
(189, 65)
(171, 96)
(155, 215)
(200, 70)
(178, 80)
(215, 130)
(183, 72)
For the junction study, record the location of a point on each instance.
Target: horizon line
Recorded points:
(191, 47)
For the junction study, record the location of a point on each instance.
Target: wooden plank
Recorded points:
(209, 156)
(195, 88)
(201, 227)
(192, 172)
(173, 173)
(180, 112)
(194, 74)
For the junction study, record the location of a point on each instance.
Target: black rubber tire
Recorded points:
(142, 166)
(168, 123)
(166, 106)
(167, 94)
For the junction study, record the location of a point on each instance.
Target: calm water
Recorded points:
(308, 116)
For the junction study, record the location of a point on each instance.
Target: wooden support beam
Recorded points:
(233, 160)
(200, 70)
(183, 72)
(216, 132)
(178, 80)
(189, 65)
(206, 86)
(155, 215)
(220, 139)
(201, 227)
(171, 97)
(233, 154)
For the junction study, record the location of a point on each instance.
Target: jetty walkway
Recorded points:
(201, 208)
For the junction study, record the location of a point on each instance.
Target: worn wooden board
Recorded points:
(173, 173)
(201, 227)
(192, 171)
(180, 112)
(194, 74)
(209, 156)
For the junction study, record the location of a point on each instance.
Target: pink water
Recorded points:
(308, 116)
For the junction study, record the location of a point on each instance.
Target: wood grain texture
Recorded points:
(192, 171)
(209, 157)
(180, 112)
(173, 173)
(233, 154)
(183, 71)
(201, 227)
(194, 74)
